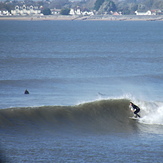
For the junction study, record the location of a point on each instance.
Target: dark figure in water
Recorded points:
(135, 109)
(26, 92)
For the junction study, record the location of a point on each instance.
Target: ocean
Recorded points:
(81, 77)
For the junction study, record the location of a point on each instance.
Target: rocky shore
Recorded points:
(94, 17)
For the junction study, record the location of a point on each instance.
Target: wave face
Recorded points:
(99, 116)
(106, 115)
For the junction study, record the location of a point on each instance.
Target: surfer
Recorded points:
(135, 109)
(26, 92)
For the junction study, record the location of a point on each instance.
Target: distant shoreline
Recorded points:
(89, 18)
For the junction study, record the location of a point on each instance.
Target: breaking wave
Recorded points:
(104, 115)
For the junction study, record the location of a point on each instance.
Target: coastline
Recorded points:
(86, 18)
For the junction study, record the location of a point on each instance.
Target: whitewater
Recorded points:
(81, 77)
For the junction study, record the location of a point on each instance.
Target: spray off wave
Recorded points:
(110, 115)
(152, 113)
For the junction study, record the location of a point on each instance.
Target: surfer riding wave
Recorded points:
(135, 109)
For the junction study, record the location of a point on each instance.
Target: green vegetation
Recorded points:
(107, 7)
(104, 6)
(153, 4)
(98, 4)
(6, 6)
(65, 11)
(127, 6)
(130, 6)
(46, 11)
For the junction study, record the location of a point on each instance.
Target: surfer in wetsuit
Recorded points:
(26, 92)
(135, 109)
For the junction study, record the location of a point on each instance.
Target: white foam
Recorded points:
(152, 113)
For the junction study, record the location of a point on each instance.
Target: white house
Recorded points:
(75, 12)
(4, 12)
(72, 12)
(26, 10)
(87, 13)
(145, 13)
(79, 12)
(55, 11)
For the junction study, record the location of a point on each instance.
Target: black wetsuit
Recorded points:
(137, 110)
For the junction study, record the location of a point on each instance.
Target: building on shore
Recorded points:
(78, 11)
(55, 11)
(4, 12)
(145, 13)
(26, 10)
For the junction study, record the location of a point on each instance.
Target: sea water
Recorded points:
(81, 76)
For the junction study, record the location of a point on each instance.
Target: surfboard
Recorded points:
(133, 118)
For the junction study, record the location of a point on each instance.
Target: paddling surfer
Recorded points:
(135, 109)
